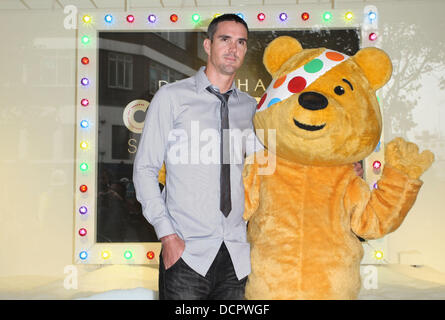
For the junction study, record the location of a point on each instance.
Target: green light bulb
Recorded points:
(85, 40)
(128, 254)
(327, 16)
(196, 17)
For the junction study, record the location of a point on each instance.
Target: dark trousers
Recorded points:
(180, 282)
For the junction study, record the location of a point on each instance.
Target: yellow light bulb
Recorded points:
(378, 255)
(105, 254)
(84, 145)
(349, 15)
(86, 19)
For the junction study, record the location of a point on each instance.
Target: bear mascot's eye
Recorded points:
(339, 90)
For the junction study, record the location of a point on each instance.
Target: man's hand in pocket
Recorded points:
(172, 249)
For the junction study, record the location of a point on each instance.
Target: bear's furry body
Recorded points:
(304, 228)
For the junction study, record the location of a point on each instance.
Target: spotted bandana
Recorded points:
(299, 79)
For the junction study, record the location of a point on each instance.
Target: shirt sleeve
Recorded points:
(253, 144)
(149, 159)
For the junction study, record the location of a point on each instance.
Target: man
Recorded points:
(198, 218)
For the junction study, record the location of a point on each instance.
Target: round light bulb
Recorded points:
(349, 16)
(327, 16)
(105, 254)
(196, 17)
(85, 39)
(305, 16)
(239, 14)
(108, 18)
(152, 18)
(377, 148)
(84, 146)
(84, 124)
(261, 16)
(83, 255)
(150, 255)
(376, 164)
(174, 18)
(130, 18)
(378, 255)
(128, 254)
(82, 232)
(83, 188)
(84, 102)
(283, 16)
(372, 16)
(83, 210)
(86, 19)
(83, 166)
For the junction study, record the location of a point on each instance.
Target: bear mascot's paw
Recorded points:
(405, 157)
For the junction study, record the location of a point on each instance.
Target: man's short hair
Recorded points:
(224, 17)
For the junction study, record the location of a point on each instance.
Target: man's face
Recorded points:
(227, 49)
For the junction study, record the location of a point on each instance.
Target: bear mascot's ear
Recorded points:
(376, 65)
(279, 51)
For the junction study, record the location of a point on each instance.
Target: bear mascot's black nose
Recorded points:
(313, 101)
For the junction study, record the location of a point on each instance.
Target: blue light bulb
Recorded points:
(240, 15)
(108, 18)
(372, 16)
(84, 124)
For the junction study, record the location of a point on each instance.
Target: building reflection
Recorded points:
(132, 66)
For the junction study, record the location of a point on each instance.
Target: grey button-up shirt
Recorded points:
(182, 128)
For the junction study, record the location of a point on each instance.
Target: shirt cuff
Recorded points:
(164, 227)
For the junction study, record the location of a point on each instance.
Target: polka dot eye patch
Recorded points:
(299, 79)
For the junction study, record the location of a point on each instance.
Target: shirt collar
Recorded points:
(202, 82)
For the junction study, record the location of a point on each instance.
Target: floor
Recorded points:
(383, 282)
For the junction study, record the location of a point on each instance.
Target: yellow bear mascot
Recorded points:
(305, 217)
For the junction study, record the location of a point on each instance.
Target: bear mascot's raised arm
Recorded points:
(306, 216)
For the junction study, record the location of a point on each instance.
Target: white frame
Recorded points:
(90, 113)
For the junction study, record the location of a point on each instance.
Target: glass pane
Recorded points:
(120, 216)
(120, 73)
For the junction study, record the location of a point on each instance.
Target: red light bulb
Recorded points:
(150, 255)
(82, 232)
(376, 164)
(84, 102)
(130, 18)
(85, 60)
(372, 36)
(83, 188)
(174, 18)
(261, 16)
(305, 16)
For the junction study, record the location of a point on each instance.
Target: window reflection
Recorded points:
(132, 67)
(120, 71)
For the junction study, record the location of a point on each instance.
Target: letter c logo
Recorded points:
(128, 115)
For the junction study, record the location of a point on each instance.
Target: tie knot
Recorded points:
(224, 97)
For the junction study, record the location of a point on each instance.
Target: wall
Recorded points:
(37, 129)
(415, 109)
(37, 125)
